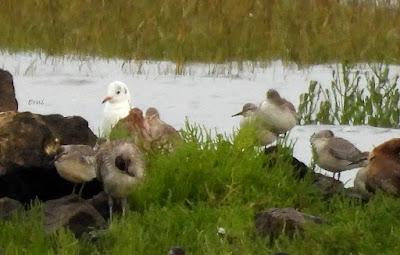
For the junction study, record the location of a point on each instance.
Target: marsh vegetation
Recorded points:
(304, 32)
(354, 97)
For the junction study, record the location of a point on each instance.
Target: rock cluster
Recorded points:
(8, 102)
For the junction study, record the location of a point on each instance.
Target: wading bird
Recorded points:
(336, 154)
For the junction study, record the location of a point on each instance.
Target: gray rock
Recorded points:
(275, 221)
(327, 185)
(74, 213)
(100, 202)
(8, 102)
(357, 195)
(176, 251)
(8, 207)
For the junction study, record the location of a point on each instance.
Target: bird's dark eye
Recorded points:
(118, 92)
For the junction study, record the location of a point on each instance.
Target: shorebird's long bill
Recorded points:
(106, 99)
(237, 114)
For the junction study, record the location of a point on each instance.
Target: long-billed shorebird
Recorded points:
(336, 154)
(120, 166)
(161, 133)
(278, 113)
(76, 164)
(252, 116)
(117, 105)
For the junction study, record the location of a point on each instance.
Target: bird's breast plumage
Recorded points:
(280, 118)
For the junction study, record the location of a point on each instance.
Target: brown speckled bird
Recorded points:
(76, 163)
(163, 135)
(120, 166)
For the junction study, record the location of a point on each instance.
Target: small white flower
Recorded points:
(221, 231)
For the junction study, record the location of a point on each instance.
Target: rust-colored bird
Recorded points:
(384, 168)
(135, 127)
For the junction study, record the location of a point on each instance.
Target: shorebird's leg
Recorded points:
(73, 189)
(110, 207)
(81, 189)
(124, 202)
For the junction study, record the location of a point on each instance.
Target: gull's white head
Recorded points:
(117, 92)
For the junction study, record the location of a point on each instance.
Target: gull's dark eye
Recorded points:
(118, 92)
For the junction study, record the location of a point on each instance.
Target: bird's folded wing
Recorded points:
(345, 150)
(290, 106)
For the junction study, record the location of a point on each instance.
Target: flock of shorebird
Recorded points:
(119, 164)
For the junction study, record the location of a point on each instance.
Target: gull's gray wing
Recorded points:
(344, 150)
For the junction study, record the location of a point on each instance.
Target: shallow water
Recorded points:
(71, 86)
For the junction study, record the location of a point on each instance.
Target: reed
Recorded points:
(217, 31)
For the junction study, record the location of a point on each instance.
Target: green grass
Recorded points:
(354, 97)
(209, 183)
(217, 31)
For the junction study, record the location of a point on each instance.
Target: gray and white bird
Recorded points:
(253, 116)
(117, 105)
(278, 113)
(120, 166)
(336, 154)
(76, 164)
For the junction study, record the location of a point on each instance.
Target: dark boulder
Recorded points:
(8, 102)
(70, 130)
(176, 251)
(72, 212)
(299, 168)
(25, 141)
(28, 144)
(100, 202)
(8, 207)
(357, 195)
(31, 140)
(327, 185)
(275, 221)
(27, 184)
